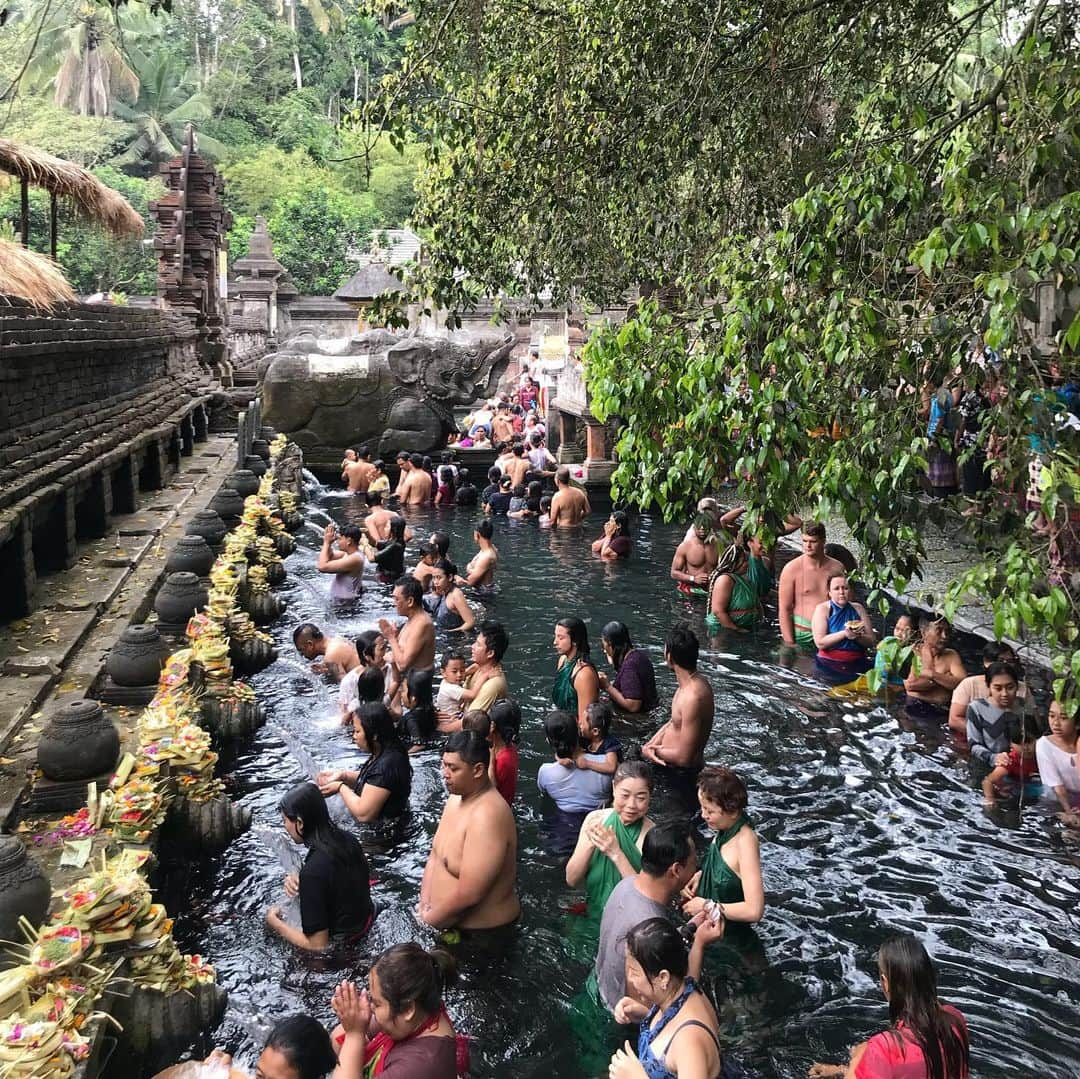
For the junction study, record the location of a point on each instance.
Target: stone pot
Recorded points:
(209, 525)
(284, 544)
(138, 656)
(243, 480)
(191, 554)
(255, 465)
(268, 433)
(275, 573)
(228, 504)
(261, 448)
(252, 656)
(293, 520)
(24, 890)
(179, 598)
(264, 608)
(211, 825)
(231, 719)
(156, 1027)
(77, 742)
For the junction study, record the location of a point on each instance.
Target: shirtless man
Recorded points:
(940, 669)
(502, 427)
(570, 506)
(334, 656)
(417, 487)
(803, 585)
(357, 471)
(519, 467)
(480, 572)
(404, 463)
(696, 557)
(679, 745)
(470, 874)
(343, 559)
(412, 645)
(377, 522)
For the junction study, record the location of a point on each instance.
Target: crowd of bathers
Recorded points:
(657, 898)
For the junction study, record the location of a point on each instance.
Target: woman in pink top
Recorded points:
(925, 1040)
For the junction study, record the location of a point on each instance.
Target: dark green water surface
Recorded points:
(868, 826)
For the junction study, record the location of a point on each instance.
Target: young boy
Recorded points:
(1021, 764)
(987, 719)
(599, 716)
(453, 674)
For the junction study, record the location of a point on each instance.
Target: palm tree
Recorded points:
(167, 102)
(322, 15)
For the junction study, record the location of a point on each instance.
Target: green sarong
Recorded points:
(563, 694)
(603, 874)
(718, 880)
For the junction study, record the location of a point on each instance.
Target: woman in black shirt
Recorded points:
(334, 884)
(382, 785)
(389, 555)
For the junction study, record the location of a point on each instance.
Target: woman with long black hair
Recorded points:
(334, 884)
(576, 685)
(925, 1040)
(381, 786)
(633, 689)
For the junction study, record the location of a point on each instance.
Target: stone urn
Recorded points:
(255, 465)
(264, 608)
(78, 742)
(275, 573)
(209, 826)
(228, 718)
(209, 525)
(138, 656)
(293, 520)
(24, 890)
(268, 433)
(251, 656)
(284, 544)
(181, 596)
(261, 448)
(191, 554)
(228, 504)
(245, 481)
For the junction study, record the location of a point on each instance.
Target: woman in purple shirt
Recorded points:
(634, 687)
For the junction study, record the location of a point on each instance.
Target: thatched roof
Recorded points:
(34, 278)
(66, 180)
(369, 282)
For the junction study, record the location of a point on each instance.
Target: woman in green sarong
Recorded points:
(609, 845)
(730, 870)
(576, 683)
(734, 595)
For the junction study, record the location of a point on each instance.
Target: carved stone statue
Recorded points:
(393, 391)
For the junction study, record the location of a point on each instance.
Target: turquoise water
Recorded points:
(868, 826)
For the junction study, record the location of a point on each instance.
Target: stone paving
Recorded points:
(60, 648)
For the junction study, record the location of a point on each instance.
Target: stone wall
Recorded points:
(96, 403)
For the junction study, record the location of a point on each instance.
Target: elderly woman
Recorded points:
(842, 630)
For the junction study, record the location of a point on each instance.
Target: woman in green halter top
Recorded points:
(609, 845)
(733, 595)
(576, 683)
(730, 870)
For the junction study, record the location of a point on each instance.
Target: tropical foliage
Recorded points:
(270, 87)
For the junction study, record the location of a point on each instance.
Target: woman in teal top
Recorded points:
(576, 684)
(609, 844)
(730, 871)
(733, 594)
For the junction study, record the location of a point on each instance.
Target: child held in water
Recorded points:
(598, 741)
(1021, 765)
(451, 689)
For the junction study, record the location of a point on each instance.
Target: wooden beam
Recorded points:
(24, 208)
(52, 225)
